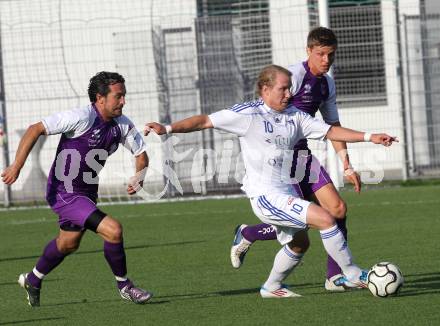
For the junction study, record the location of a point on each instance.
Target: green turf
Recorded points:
(180, 251)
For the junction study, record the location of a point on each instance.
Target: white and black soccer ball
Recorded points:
(384, 279)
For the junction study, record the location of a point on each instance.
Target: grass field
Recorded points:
(180, 251)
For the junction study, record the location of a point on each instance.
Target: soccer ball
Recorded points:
(384, 279)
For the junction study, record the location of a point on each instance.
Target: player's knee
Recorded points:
(115, 232)
(300, 243)
(339, 210)
(326, 221)
(319, 218)
(301, 247)
(67, 246)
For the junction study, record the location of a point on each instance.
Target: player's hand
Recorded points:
(156, 127)
(10, 174)
(354, 178)
(383, 139)
(134, 185)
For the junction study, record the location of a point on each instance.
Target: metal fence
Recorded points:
(198, 56)
(421, 48)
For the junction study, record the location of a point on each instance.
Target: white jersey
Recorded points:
(267, 140)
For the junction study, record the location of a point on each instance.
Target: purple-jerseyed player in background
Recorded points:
(89, 135)
(312, 90)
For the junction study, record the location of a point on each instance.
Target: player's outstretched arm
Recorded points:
(30, 137)
(353, 136)
(194, 123)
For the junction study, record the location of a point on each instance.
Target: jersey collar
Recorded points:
(268, 109)
(100, 116)
(287, 110)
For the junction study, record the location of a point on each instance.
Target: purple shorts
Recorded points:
(73, 210)
(309, 173)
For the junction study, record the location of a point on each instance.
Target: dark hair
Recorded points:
(268, 76)
(99, 84)
(321, 36)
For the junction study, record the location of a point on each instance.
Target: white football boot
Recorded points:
(336, 283)
(360, 283)
(281, 293)
(240, 247)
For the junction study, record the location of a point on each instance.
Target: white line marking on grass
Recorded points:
(206, 212)
(386, 203)
(33, 221)
(44, 220)
(223, 211)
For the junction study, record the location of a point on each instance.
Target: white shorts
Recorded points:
(286, 213)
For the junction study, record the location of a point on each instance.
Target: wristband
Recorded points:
(168, 129)
(367, 137)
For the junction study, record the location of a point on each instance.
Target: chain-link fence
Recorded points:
(199, 56)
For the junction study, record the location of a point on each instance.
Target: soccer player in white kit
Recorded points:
(268, 129)
(312, 90)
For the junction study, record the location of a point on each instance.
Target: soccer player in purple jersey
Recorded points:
(312, 90)
(88, 136)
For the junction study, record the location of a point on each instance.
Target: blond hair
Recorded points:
(268, 76)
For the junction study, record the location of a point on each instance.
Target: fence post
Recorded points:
(333, 163)
(406, 104)
(4, 126)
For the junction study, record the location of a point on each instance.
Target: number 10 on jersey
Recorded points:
(268, 128)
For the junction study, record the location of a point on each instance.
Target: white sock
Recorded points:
(336, 246)
(120, 279)
(38, 274)
(285, 261)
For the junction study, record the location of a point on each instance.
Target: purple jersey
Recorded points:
(311, 93)
(86, 142)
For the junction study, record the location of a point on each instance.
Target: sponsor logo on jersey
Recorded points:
(114, 131)
(282, 142)
(306, 98)
(94, 138)
(307, 88)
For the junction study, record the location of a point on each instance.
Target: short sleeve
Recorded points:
(328, 108)
(64, 122)
(234, 122)
(130, 136)
(311, 127)
(298, 73)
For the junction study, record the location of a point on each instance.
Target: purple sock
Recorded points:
(50, 259)
(259, 232)
(332, 267)
(114, 253)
